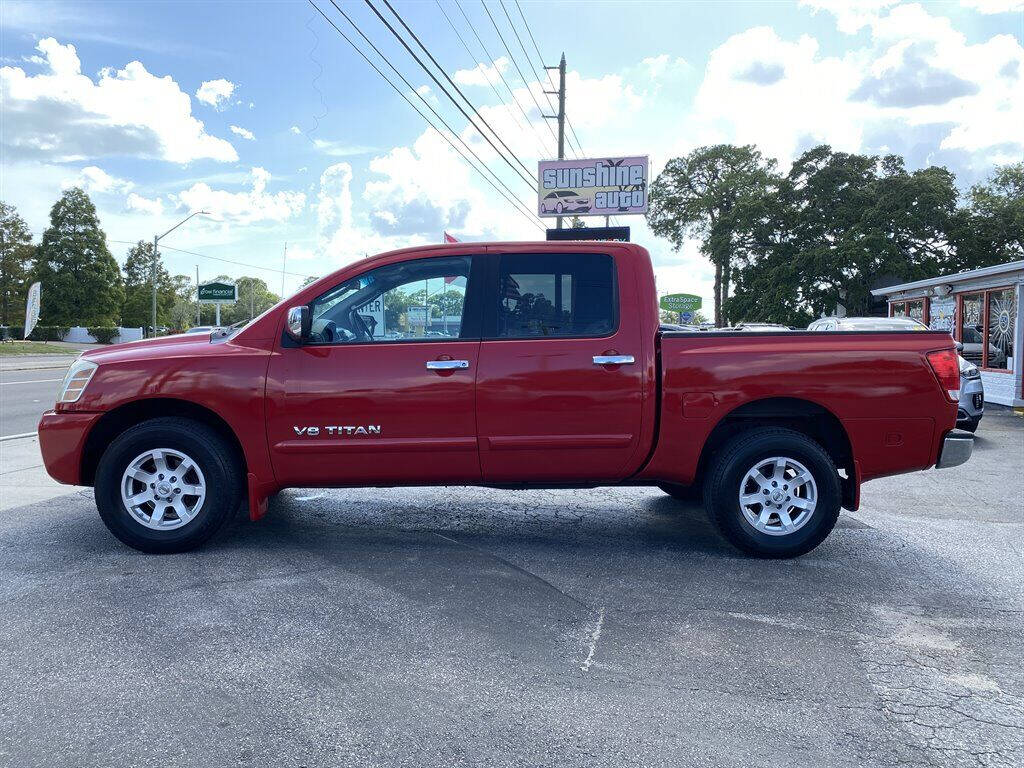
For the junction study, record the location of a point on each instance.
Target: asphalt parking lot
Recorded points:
(460, 626)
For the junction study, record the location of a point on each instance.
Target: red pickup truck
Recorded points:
(519, 365)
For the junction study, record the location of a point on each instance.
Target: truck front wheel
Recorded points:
(773, 492)
(167, 485)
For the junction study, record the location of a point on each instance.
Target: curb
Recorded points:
(38, 366)
(21, 436)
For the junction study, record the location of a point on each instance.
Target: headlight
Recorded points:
(968, 369)
(75, 380)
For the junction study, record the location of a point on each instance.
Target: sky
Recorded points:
(307, 160)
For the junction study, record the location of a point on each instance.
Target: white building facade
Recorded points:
(984, 310)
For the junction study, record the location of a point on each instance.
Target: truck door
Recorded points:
(384, 391)
(560, 376)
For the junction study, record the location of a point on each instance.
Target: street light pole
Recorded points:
(156, 242)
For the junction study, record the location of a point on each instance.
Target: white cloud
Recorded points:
(62, 115)
(93, 179)
(136, 202)
(482, 74)
(340, 149)
(993, 6)
(245, 207)
(295, 129)
(216, 93)
(243, 132)
(851, 15)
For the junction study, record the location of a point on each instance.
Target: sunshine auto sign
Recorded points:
(607, 186)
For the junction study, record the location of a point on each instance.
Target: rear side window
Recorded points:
(556, 295)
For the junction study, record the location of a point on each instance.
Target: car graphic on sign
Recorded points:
(564, 201)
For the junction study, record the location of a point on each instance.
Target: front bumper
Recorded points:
(956, 449)
(972, 401)
(61, 442)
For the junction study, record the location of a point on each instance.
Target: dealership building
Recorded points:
(984, 310)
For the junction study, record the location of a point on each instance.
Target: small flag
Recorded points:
(449, 239)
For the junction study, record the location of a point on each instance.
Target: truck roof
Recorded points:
(510, 245)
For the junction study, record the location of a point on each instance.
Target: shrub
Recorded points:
(104, 334)
(14, 332)
(49, 333)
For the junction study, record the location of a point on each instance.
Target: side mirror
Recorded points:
(300, 321)
(959, 346)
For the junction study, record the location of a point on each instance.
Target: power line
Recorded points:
(453, 84)
(527, 179)
(510, 197)
(490, 58)
(516, 64)
(214, 258)
(540, 56)
(527, 126)
(529, 61)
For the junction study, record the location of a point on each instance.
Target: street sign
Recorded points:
(218, 293)
(619, 234)
(372, 314)
(607, 186)
(680, 302)
(32, 308)
(686, 317)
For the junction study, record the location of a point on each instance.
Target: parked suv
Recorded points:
(972, 390)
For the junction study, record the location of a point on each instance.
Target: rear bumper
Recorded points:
(61, 441)
(956, 449)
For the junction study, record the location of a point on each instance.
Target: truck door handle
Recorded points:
(613, 360)
(446, 365)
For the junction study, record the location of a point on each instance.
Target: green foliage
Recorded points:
(103, 334)
(702, 195)
(81, 280)
(254, 298)
(16, 254)
(137, 310)
(48, 332)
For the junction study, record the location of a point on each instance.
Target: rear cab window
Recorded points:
(554, 295)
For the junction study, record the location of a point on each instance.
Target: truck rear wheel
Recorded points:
(773, 493)
(167, 485)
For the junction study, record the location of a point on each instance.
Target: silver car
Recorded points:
(972, 392)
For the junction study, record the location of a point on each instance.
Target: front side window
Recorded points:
(556, 295)
(420, 300)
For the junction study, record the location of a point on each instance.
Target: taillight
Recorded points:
(947, 370)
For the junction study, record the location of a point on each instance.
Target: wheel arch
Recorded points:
(799, 414)
(116, 421)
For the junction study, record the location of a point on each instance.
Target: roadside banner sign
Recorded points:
(32, 308)
(607, 186)
(218, 293)
(680, 302)
(416, 316)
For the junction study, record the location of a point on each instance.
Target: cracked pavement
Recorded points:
(465, 626)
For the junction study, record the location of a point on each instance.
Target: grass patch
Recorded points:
(12, 348)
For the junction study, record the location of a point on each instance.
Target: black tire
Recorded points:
(212, 454)
(742, 453)
(691, 493)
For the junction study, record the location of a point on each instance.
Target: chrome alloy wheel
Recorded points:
(778, 496)
(163, 489)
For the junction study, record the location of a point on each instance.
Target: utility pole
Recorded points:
(198, 305)
(560, 116)
(284, 263)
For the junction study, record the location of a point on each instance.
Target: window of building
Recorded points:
(988, 328)
(1001, 328)
(554, 295)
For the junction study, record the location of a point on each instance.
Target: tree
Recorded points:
(16, 253)
(697, 195)
(81, 280)
(254, 297)
(990, 228)
(137, 309)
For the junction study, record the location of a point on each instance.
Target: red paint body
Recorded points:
(525, 412)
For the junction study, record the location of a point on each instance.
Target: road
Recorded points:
(24, 395)
(463, 626)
